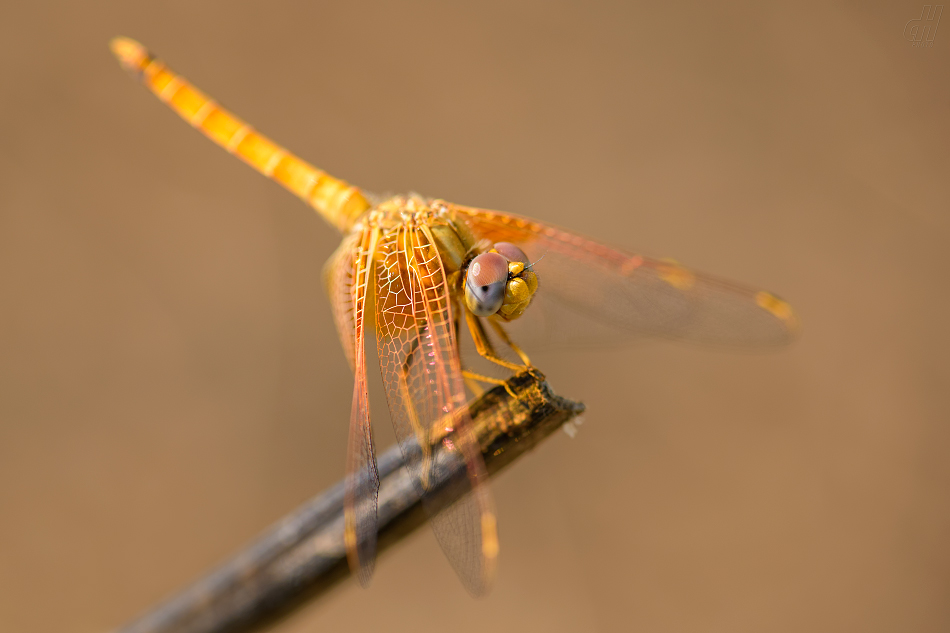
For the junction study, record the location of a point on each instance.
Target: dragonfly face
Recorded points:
(499, 282)
(486, 279)
(415, 268)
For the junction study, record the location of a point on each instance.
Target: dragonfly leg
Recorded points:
(504, 336)
(472, 380)
(483, 344)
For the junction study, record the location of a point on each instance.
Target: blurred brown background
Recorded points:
(171, 383)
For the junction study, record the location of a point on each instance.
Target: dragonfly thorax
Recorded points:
(410, 211)
(491, 279)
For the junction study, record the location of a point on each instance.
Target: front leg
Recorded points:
(504, 336)
(485, 348)
(472, 380)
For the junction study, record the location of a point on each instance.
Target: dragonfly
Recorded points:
(414, 269)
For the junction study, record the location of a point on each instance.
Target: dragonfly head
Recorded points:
(500, 282)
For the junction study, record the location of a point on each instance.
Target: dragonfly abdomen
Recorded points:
(338, 202)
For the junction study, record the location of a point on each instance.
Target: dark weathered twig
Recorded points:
(303, 555)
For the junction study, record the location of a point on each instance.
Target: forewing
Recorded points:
(418, 358)
(637, 294)
(362, 479)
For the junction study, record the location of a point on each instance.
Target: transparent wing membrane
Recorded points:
(362, 479)
(636, 294)
(340, 281)
(418, 358)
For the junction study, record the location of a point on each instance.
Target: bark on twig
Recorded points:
(303, 555)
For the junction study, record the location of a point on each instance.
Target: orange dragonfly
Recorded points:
(414, 268)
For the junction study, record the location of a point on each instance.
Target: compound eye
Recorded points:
(485, 284)
(511, 252)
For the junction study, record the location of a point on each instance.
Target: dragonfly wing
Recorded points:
(418, 358)
(637, 294)
(339, 277)
(351, 274)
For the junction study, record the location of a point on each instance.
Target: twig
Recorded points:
(303, 555)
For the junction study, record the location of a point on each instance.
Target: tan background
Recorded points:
(170, 382)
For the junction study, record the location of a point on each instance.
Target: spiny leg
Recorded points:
(470, 381)
(504, 336)
(473, 384)
(484, 346)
